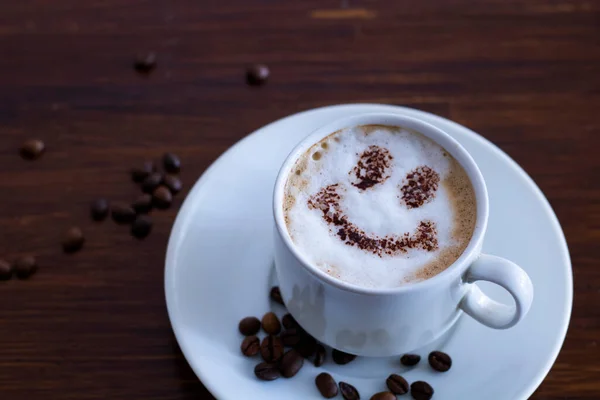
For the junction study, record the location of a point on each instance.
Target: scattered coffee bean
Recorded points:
(290, 337)
(397, 384)
(271, 324)
(144, 63)
(319, 355)
(440, 361)
(141, 227)
(171, 163)
(307, 346)
(291, 362)
(326, 385)
(257, 74)
(410, 360)
(250, 346)
(151, 182)
(421, 390)
(6, 270)
(288, 321)
(341, 358)
(266, 371)
(162, 197)
(32, 149)
(122, 213)
(348, 391)
(173, 183)
(25, 266)
(138, 174)
(143, 204)
(275, 295)
(99, 209)
(384, 396)
(73, 240)
(271, 349)
(249, 326)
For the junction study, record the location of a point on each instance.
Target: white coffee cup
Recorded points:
(390, 321)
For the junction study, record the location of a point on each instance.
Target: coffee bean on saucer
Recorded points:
(73, 240)
(171, 163)
(162, 197)
(348, 391)
(249, 326)
(250, 346)
(145, 63)
(257, 74)
(271, 324)
(173, 183)
(410, 360)
(271, 349)
(138, 174)
(421, 390)
(326, 385)
(384, 396)
(319, 355)
(440, 361)
(99, 209)
(290, 364)
(151, 182)
(341, 358)
(143, 204)
(275, 295)
(307, 346)
(288, 321)
(290, 337)
(267, 371)
(6, 270)
(32, 149)
(397, 384)
(141, 226)
(25, 266)
(122, 213)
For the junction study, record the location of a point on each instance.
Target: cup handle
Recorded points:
(506, 274)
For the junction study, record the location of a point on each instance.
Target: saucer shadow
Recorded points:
(190, 386)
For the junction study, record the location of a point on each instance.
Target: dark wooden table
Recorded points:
(93, 325)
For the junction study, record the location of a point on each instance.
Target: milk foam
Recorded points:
(379, 211)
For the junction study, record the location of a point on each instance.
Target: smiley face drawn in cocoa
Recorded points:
(372, 168)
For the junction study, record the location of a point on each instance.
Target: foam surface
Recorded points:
(347, 206)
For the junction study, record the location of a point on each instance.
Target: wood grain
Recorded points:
(93, 325)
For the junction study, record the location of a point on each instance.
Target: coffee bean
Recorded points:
(73, 240)
(171, 163)
(341, 358)
(440, 361)
(143, 204)
(266, 371)
(32, 149)
(151, 182)
(122, 213)
(138, 174)
(290, 337)
(384, 396)
(25, 266)
(421, 390)
(397, 384)
(319, 355)
(173, 183)
(291, 362)
(250, 346)
(6, 270)
(271, 324)
(257, 74)
(326, 385)
(410, 360)
(141, 227)
(162, 197)
(275, 295)
(271, 349)
(144, 63)
(288, 321)
(307, 346)
(249, 326)
(348, 391)
(99, 209)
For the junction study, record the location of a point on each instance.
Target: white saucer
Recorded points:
(219, 269)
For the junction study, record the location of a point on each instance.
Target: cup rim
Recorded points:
(460, 154)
